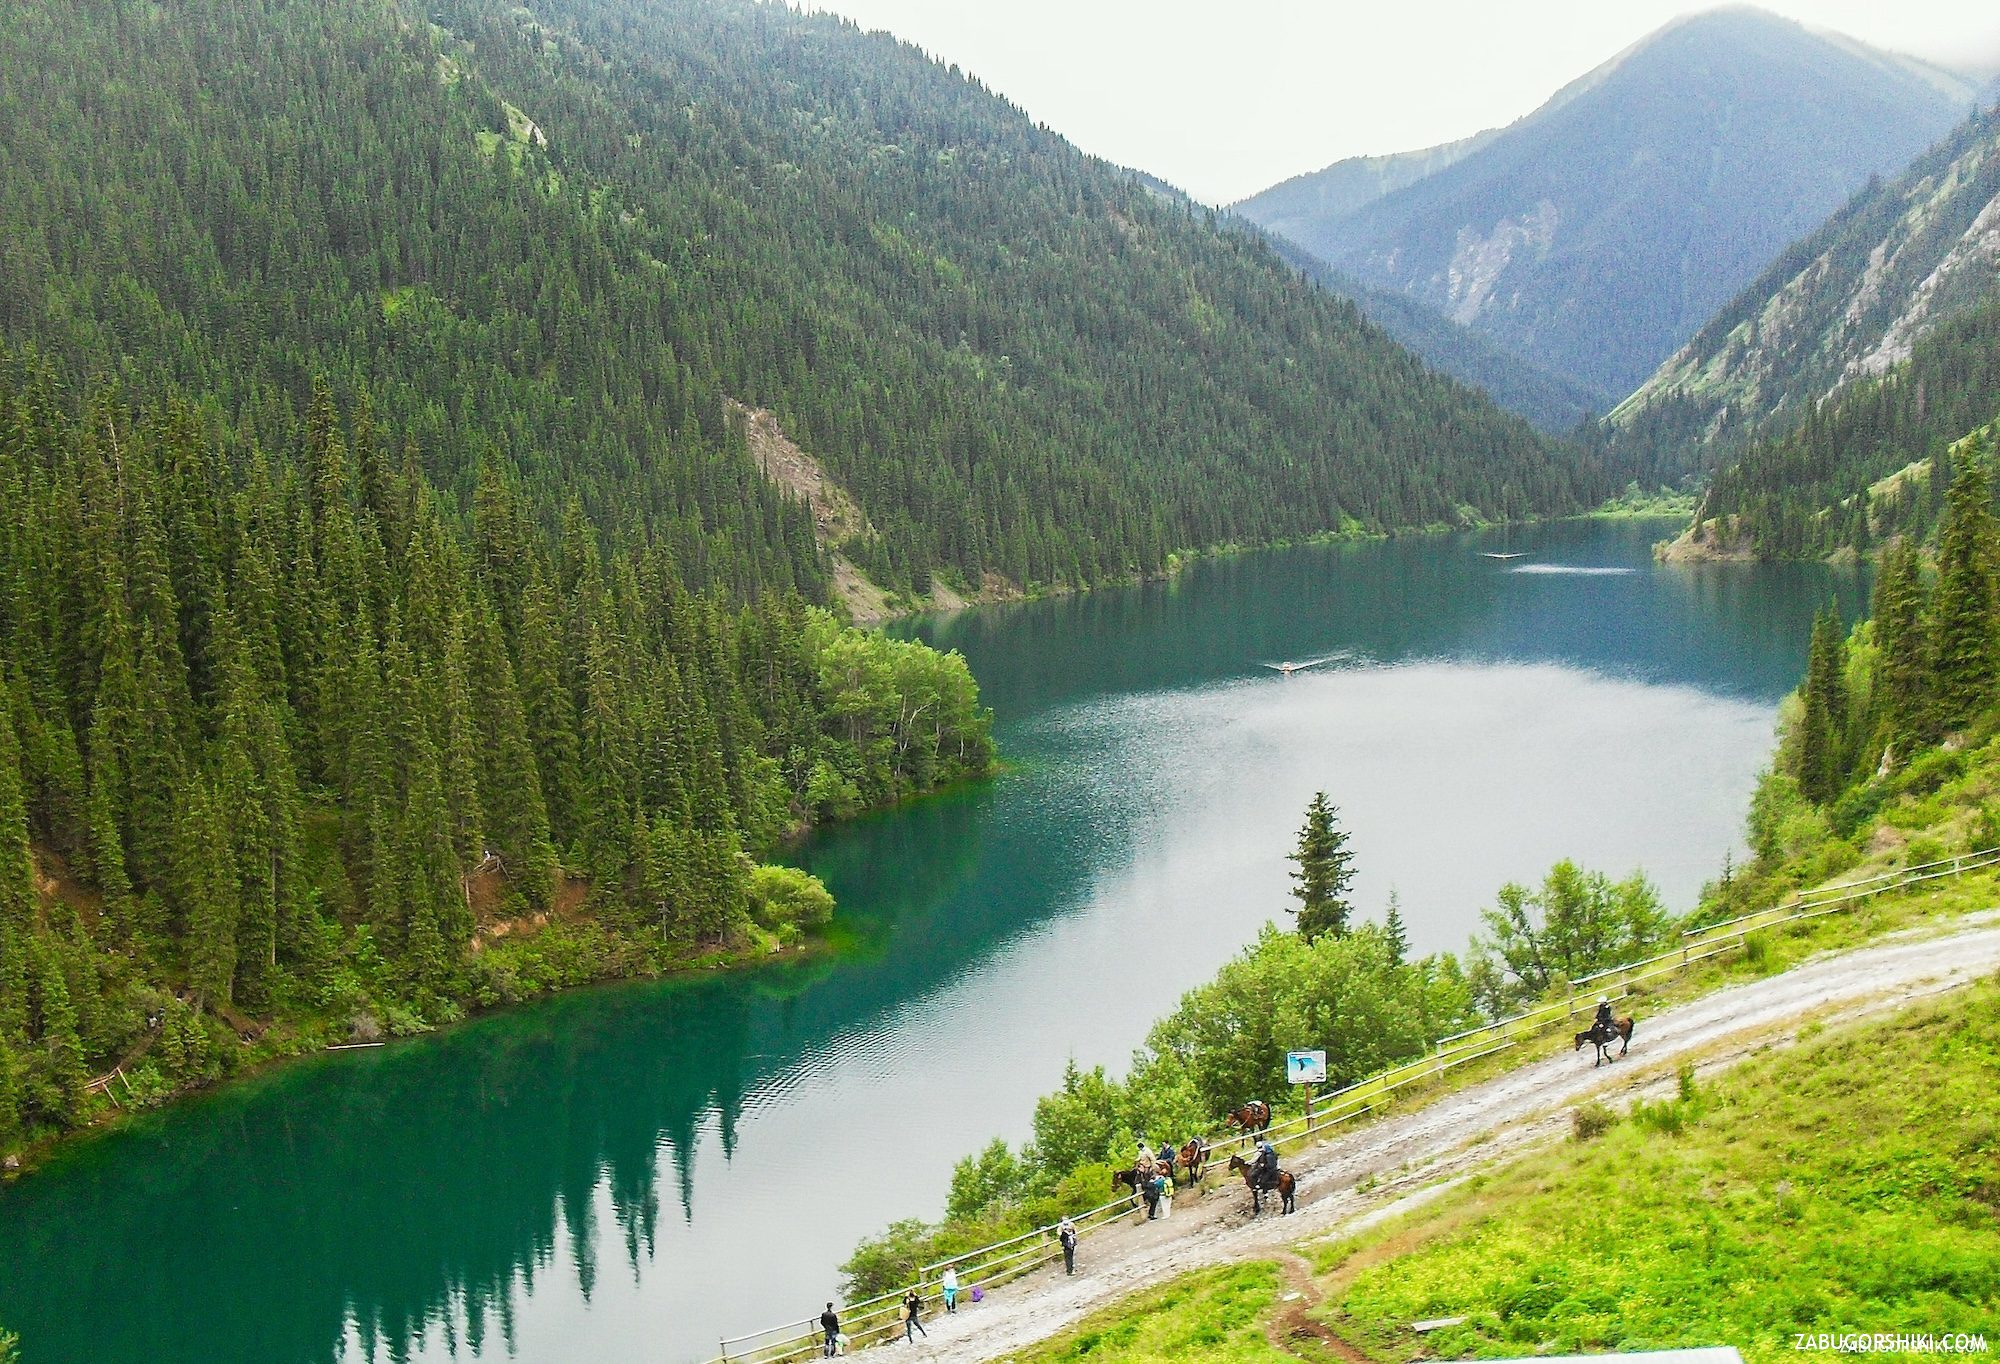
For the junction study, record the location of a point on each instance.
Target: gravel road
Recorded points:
(1410, 1153)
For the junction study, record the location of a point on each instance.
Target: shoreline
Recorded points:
(1179, 561)
(308, 1037)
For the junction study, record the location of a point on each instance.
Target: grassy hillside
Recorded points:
(1843, 1185)
(1848, 302)
(1598, 234)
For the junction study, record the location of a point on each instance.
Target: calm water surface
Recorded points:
(629, 1173)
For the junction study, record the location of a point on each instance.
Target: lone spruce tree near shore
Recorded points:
(1965, 645)
(1325, 871)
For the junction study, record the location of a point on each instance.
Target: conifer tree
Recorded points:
(1821, 754)
(17, 881)
(17, 868)
(510, 786)
(1965, 647)
(59, 1048)
(205, 889)
(1325, 872)
(1902, 671)
(1394, 930)
(10, 1094)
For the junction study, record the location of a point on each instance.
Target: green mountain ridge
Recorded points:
(1549, 402)
(1598, 233)
(1015, 360)
(1849, 301)
(1546, 399)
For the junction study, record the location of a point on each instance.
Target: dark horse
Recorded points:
(1601, 1037)
(1287, 1185)
(1134, 1178)
(1254, 1116)
(1194, 1158)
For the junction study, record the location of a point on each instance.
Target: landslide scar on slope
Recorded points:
(836, 516)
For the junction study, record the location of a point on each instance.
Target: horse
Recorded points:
(1194, 1158)
(1254, 1116)
(1135, 1178)
(1621, 1028)
(1287, 1185)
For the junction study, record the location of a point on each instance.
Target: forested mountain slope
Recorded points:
(1870, 463)
(1849, 301)
(1297, 208)
(1549, 401)
(1598, 233)
(286, 745)
(573, 230)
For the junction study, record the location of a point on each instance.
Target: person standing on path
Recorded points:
(948, 1285)
(829, 1322)
(913, 1307)
(1166, 1196)
(1066, 1234)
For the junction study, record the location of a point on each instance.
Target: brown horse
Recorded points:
(1287, 1185)
(1254, 1116)
(1621, 1029)
(1194, 1158)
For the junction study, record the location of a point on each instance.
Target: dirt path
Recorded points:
(1406, 1156)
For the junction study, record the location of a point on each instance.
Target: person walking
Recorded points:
(829, 1322)
(948, 1285)
(1151, 1189)
(913, 1321)
(1166, 1196)
(1066, 1234)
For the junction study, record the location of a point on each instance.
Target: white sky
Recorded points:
(1225, 97)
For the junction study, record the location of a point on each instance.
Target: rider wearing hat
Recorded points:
(1602, 1025)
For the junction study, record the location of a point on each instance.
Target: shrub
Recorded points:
(1591, 1120)
(1757, 950)
(785, 897)
(1667, 1117)
(1932, 770)
(1923, 848)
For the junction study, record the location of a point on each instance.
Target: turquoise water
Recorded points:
(629, 1173)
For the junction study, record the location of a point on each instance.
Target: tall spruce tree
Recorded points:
(1822, 741)
(1394, 930)
(1902, 669)
(1325, 870)
(17, 881)
(1965, 637)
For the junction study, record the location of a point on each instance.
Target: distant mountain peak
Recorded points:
(1595, 235)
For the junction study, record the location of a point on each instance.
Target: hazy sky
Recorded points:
(1225, 97)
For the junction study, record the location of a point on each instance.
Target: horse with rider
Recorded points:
(1605, 1029)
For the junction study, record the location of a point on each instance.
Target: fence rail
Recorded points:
(877, 1319)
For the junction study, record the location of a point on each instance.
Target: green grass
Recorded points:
(1212, 1317)
(1850, 1185)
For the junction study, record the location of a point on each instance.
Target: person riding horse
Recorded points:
(1266, 1168)
(1603, 1025)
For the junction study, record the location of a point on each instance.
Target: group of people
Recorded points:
(948, 1289)
(1153, 1179)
